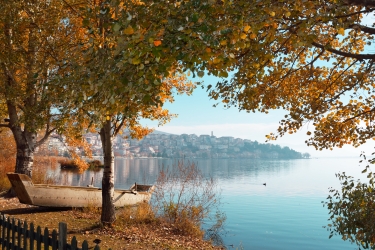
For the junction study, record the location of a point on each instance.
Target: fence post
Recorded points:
(38, 238)
(8, 233)
(32, 236)
(24, 232)
(3, 228)
(73, 244)
(13, 229)
(45, 239)
(85, 245)
(54, 240)
(63, 229)
(19, 235)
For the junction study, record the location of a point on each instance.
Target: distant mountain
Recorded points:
(157, 132)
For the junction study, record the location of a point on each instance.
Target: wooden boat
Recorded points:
(73, 196)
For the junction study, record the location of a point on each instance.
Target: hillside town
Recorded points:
(165, 145)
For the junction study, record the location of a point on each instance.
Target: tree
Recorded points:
(306, 155)
(308, 57)
(113, 87)
(37, 37)
(351, 209)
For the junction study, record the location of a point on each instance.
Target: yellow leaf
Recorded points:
(341, 31)
(208, 50)
(243, 36)
(216, 60)
(253, 36)
(128, 31)
(246, 28)
(223, 42)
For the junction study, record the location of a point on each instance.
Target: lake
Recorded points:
(287, 213)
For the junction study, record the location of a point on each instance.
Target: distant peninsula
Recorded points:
(160, 144)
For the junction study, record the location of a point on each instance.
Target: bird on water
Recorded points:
(265, 184)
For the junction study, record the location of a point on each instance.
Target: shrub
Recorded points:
(142, 213)
(7, 158)
(185, 198)
(72, 164)
(95, 165)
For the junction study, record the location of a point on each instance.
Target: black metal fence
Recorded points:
(17, 235)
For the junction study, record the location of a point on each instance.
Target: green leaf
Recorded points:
(136, 61)
(116, 27)
(223, 74)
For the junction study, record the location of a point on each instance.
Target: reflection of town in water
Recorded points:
(127, 172)
(145, 170)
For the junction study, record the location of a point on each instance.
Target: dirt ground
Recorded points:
(85, 226)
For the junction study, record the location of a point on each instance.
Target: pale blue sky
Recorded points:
(197, 116)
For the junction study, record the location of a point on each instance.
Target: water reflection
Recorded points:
(128, 171)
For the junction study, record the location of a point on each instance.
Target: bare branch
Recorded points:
(45, 137)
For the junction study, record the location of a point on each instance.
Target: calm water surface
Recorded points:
(287, 213)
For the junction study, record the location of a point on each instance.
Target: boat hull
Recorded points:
(73, 196)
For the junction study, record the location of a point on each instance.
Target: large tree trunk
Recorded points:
(108, 184)
(25, 153)
(25, 142)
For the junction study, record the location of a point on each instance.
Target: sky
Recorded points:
(196, 115)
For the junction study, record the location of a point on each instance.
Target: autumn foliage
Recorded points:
(7, 159)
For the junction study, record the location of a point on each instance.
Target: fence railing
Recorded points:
(18, 235)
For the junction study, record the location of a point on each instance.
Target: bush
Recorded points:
(71, 164)
(142, 213)
(95, 165)
(184, 198)
(7, 158)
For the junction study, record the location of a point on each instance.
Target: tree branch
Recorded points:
(45, 137)
(346, 54)
(367, 3)
(363, 28)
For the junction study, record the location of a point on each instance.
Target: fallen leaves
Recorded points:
(84, 225)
